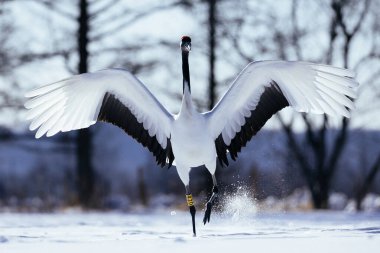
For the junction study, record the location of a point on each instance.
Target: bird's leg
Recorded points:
(190, 203)
(211, 201)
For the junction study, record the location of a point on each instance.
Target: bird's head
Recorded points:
(186, 44)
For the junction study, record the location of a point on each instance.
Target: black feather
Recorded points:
(271, 101)
(116, 113)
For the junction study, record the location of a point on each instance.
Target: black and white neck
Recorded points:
(187, 104)
(185, 71)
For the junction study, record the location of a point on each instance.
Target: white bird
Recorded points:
(191, 138)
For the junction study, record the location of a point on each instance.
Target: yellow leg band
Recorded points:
(189, 199)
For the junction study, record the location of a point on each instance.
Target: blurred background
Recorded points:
(296, 162)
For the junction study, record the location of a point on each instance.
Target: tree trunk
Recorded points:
(84, 145)
(212, 23)
(362, 192)
(319, 174)
(142, 187)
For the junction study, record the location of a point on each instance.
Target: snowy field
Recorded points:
(170, 231)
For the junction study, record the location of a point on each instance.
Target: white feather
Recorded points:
(152, 130)
(74, 103)
(339, 97)
(225, 137)
(306, 86)
(53, 95)
(344, 81)
(41, 118)
(332, 70)
(339, 88)
(45, 89)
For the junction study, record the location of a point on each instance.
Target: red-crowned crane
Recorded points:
(191, 138)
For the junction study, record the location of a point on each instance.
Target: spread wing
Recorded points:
(112, 95)
(264, 88)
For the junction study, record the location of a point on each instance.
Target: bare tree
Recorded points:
(84, 152)
(6, 30)
(367, 183)
(320, 170)
(318, 153)
(109, 17)
(7, 54)
(372, 83)
(212, 24)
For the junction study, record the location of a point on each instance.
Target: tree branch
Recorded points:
(52, 6)
(296, 32)
(368, 181)
(301, 159)
(361, 18)
(309, 132)
(133, 20)
(338, 147)
(104, 9)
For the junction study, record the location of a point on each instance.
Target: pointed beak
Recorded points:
(186, 46)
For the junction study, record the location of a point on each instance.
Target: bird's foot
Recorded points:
(192, 212)
(190, 203)
(206, 218)
(210, 204)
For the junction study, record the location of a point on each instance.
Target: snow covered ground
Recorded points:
(170, 231)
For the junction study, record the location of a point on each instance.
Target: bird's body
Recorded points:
(192, 143)
(191, 138)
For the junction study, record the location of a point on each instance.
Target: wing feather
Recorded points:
(111, 95)
(263, 88)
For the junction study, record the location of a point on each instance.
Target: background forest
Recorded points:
(297, 161)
